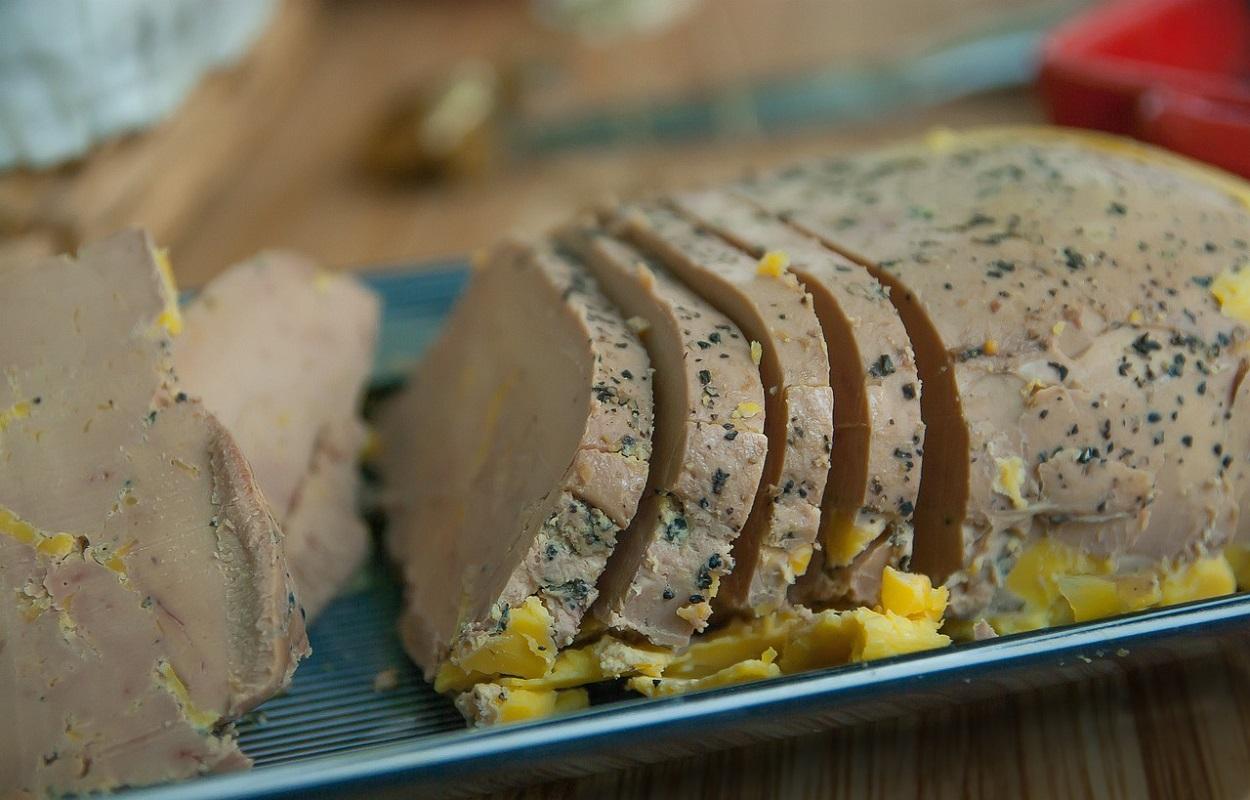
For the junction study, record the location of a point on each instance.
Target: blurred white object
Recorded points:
(610, 19)
(74, 72)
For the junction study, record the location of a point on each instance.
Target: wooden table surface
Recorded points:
(268, 154)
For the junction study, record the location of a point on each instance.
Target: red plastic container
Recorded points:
(1172, 72)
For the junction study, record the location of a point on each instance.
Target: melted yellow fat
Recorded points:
(773, 264)
(1059, 584)
(740, 640)
(519, 705)
(1232, 289)
(12, 414)
(907, 622)
(797, 562)
(912, 596)
(169, 680)
(171, 318)
(742, 672)
(58, 545)
(746, 410)
(52, 545)
(638, 325)
(823, 641)
(15, 527)
(524, 648)
(1239, 558)
(116, 561)
(849, 539)
(783, 642)
(1096, 597)
(1009, 479)
(697, 614)
(1202, 579)
(1035, 576)
(883, 634)
(606, 658)
(794, 643)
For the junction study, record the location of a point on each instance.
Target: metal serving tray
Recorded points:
(334, 732)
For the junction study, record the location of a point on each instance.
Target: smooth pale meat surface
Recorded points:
(326, 539)
(1057, 290)
(281, 353)
(706, 463)
(876, 460)
(779, 537)
(516, 455)
(144, 596)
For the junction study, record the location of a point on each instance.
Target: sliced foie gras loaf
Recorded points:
(707, 457)
(770, 307)
(1077, 370)
(146, 600)
(514, 459)
(877, 454)
(280, 352)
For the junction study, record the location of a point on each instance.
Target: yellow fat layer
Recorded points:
(1232, 289)
(519, 705)
(780, 643)
(12, 414)
(1059, 584)
(773, 264)
(171, 318)
(524, 648)
(169, 680)
(1009, 479)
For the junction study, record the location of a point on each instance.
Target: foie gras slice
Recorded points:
(146, 600)
(512, 462)
(326, 537)
(771, 307)
(877, 454)
(280, 352)
(1057, 289)
(706, 463)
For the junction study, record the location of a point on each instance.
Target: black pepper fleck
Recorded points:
(1144, 345)
(883, 366)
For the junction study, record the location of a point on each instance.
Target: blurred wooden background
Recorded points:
(269, 154)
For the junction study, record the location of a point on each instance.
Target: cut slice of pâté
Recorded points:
(513, 460)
